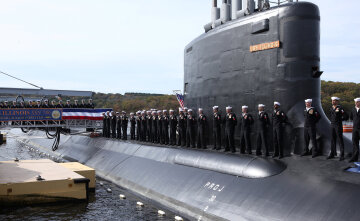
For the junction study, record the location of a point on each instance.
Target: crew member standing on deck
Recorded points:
(159, 137)
(149, 126)
(230, 122)
(246, 121)
(132, 126)
(113, 124)
(262, 123)
(108, 124)
(104, 124)
(217, 128)
(138, 125)
(143, 126)
(165, 128)
(355, 117)
(118, 126)
(68, 105)
(202, 130)
(124, 125)
(337, 116)
(190, 129)
(311, 116)
(154, 127)
(279, 118)
(173, 124)
(181, 128)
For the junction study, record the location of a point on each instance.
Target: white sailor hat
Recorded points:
(171, 110)
(335, 98)
(67, 100)
(153, 112)
(131, 113)
(261, 105)
(185, 108)
(164, 110)
(180, 109)
(148, 111)
(38, 101)
(228, 108)
(308, 100)
(142, 112)
(215, 107)
(277, 103)
(46, 100)
(124, 112)
(190, 110)
(159, 111)
(357, 99)
(244, 107)
(200, 109)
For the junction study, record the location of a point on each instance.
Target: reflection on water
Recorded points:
(101, 206)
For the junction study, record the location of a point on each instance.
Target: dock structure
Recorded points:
(39, 181)
(83, 170)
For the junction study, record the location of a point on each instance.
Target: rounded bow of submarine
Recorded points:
(241, 166)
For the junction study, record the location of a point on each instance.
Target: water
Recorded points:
(101, 206)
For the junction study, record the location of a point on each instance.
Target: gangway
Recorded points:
(52, 120)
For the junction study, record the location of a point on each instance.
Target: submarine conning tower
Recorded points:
(252, 55)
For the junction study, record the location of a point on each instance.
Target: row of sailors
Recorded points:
(46, 104)
(154, 126)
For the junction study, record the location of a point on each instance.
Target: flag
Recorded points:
(180, 98)
(83, 114)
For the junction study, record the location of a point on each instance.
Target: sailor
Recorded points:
(279, 118)
(52, 105)
(104, 124)
(159, 137)
(217, 128)
(246, 121)
(76, 104)
(38, 104)
(181, 128)
(46, 104)
(154, 124)
(165, 128)
(118, 126)
(144, 126)
(173, 125)
(83, 104)
(124, 125)
(68, 104)
(230, 122)
(14, 105)
(132, 126)
(312, 116)
(337, 116)
(149, 126)
(108, 124)
(113, 124)
(186, 111)
(90, 104)
(190, 129)
(138, 125)
(6, 104)
(202, 129)
(1, 105)
(355, 117)
(29, 105)
(22, 104)
(262, 123)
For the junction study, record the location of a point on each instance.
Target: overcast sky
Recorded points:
(122, 46)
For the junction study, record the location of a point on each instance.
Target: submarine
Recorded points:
(247, 55)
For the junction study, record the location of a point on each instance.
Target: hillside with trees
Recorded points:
(142, 101)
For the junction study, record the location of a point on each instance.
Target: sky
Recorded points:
(118, 46)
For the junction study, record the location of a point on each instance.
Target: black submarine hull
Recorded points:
(198, 186)
(221, 70)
